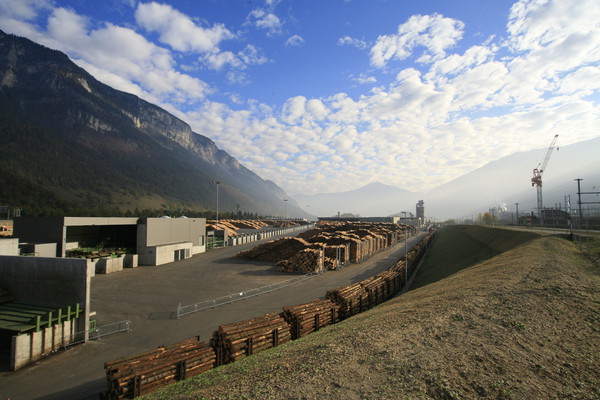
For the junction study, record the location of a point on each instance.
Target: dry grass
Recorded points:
(523, 324)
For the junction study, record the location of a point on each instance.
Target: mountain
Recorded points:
(72, 144)
(373, 200)
(508, 181)
(500, 183)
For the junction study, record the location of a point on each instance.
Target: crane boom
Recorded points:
(548, 154)
(537, 177)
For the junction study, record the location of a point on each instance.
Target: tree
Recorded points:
(488, 218)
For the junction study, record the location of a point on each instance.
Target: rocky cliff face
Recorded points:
(137, 152)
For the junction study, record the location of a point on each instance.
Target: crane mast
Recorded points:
(537, 178)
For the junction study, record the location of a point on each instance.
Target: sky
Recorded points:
(328, 96)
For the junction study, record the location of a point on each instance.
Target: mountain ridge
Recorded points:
(139, 155)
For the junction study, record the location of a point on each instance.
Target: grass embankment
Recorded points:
(522, 324)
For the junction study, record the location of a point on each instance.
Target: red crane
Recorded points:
(537, 178)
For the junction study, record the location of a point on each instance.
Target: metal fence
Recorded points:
(99, 331)
(203, 305)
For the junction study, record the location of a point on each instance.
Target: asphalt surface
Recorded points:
(148, 297)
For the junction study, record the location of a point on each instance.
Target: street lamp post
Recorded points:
(285, 208)
(217, 183)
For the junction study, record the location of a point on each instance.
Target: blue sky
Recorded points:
(324, 96)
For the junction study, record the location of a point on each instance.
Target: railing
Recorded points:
(100, 331)
(203, 305)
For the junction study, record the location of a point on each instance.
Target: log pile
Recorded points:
(232, 342)
(247, 224)
(305, 262)
(343, 243)
(134, 376)
(275, 250)
(213, 226)
(382, 286)
(310, 317)
(351, 299)
(336, 256)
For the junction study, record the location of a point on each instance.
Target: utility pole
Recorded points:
(517, 204)
(579, 200)
(217, 183)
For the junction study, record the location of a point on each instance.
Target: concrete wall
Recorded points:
(130, 261)
(108, 265)
(9, 247)
(30, 347)
(161, 231)
(56, 281)
(39, 249)
(157, 255)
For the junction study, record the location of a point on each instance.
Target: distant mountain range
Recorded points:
(500, 183)
(373, 200)
(73, 145)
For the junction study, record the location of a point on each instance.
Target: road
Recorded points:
(148, 297)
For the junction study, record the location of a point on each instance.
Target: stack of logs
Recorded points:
(352, 299)
(342, 243)
(306, 261)
(275, 250)
(310, 317)
(382, 286)
(134, 376)
(232, 342)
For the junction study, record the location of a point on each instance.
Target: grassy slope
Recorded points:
(523, 324)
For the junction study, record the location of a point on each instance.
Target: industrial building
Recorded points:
(155, 240)
(45, 298)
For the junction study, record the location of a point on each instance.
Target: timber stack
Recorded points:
(232, 342)
(343, 243)
(141, 374)
(275, 250)
(352, 299)
(381, 287)
(306, 261)
(310, 317)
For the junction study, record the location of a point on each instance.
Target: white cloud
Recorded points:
(364, 79)
(265, 20)
(584, 80)
(434, 33)
(237, 78)
(349, 41)
(136, 65)
(22, 9)
(241, 60)
(178, 30)
(294, 41)
(293, 109)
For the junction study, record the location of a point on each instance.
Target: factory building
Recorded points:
(155, 240)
